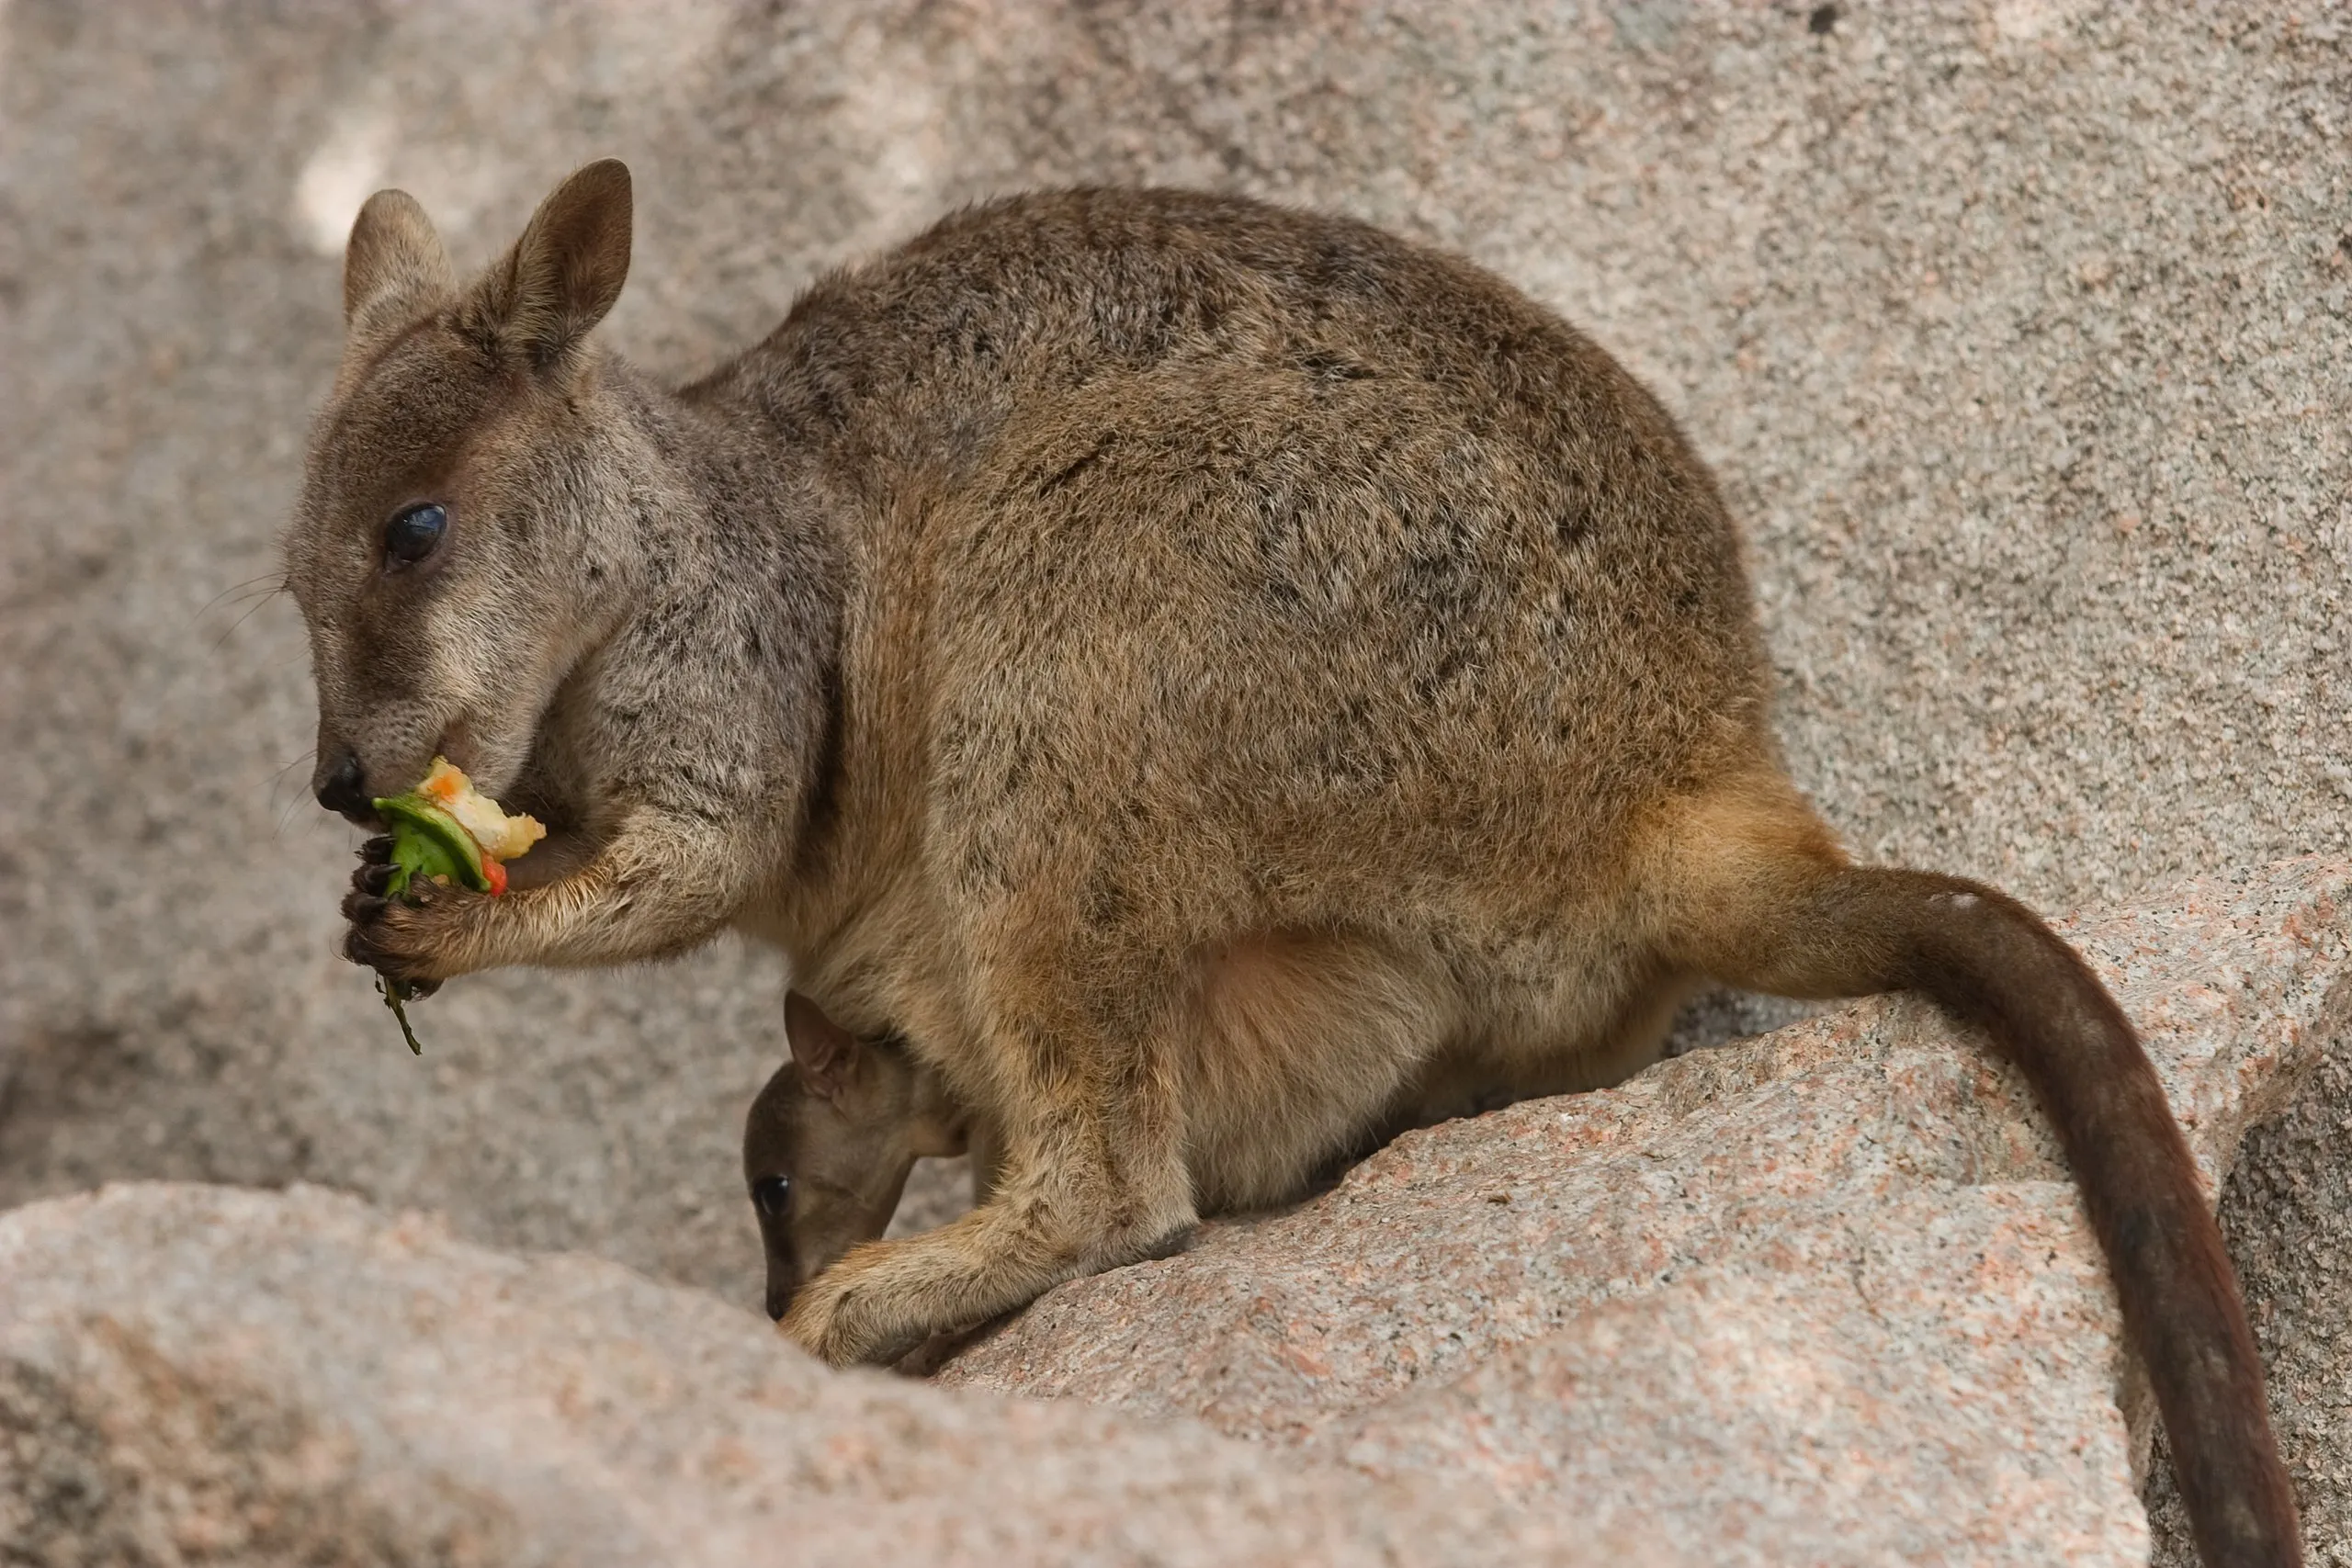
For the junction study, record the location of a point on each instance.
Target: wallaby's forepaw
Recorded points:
(417, 937)
(843, 1315)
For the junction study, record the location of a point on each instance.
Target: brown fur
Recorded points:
(1111, 641)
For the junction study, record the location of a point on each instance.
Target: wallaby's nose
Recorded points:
(341, 790)
(779, 1299)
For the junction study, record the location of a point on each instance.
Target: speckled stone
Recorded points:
(2287, 1212)
(193, 1374)
(1824, 1296)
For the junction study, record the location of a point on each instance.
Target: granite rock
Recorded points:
(198, 1374)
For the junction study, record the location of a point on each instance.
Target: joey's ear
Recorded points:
(825, 1051)
(562, 275)
(395, 267)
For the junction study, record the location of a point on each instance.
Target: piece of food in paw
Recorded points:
(502, 837)
(447, 832)
(446, 829)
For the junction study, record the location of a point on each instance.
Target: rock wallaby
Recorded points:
(830, 1142)
(1179, 663)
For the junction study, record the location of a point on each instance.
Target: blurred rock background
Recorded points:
(2018, 332)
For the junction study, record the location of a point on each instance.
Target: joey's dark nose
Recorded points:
(342, 789)
(779, 1299)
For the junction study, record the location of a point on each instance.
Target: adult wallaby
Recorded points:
(1180, 662)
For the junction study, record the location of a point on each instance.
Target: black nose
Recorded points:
(341, 790)
(779, 1299)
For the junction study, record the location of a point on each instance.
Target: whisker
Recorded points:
(275, 580)
(279, 777)
(242, 595)
(278, 782)
(241, 620)
(286, 815)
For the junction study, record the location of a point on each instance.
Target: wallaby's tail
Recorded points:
(1771, 907)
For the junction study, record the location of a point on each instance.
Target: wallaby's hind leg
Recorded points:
(1755, 895)
(1087, 1174)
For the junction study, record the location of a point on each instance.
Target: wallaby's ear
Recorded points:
(562, 275)
(394, 268)
(825, 1051)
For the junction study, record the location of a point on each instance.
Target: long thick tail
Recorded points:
(1779, 911)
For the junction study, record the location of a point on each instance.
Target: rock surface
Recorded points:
(1825, 1297)
(193, 1374)
(2287, 1211)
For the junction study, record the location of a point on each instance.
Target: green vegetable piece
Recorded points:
(428, 843)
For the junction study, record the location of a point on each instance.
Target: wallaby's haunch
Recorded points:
(1181, 663)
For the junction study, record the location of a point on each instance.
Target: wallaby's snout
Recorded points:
(772, 1196)
(341, 784)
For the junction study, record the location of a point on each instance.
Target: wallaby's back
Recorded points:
(1271, 496)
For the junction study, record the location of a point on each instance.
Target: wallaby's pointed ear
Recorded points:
(562, 275)
(395, 267)
(824, 1050)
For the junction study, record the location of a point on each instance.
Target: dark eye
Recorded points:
(410, 537)
(772, 1193)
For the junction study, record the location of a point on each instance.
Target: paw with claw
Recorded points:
(408, 930)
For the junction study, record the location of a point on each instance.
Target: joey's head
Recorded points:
(829, 1143)
(474, 493)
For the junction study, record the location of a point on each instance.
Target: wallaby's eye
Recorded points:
(773, 1194)
(410, 537)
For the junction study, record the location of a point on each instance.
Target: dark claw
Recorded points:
(366, 905)
(361, 949)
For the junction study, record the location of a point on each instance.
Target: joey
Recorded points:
(829, 1143)
(1190, 668)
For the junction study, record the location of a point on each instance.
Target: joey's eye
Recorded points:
(410, 537)
(773, 1194)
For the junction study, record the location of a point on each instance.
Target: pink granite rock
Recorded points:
(1826, 1296)
(201, 1374)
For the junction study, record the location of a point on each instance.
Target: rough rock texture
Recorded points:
(2287, 1209)
(193, 1374)
(2018, 331)
(1824, 1296)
